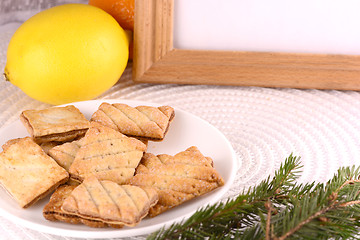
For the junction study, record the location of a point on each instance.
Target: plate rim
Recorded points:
(115, 233)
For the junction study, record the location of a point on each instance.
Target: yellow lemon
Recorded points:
(67, 53)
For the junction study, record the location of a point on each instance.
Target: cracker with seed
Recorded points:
(64, 154)
(106, 154)
(27, 172)
(58, 124)
(178, 178)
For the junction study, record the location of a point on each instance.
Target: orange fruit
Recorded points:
(121, 10)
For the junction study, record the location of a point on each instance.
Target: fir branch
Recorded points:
(279, 208)
(316, 217)
(320, 211)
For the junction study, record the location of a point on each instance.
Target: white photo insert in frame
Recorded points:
(286, 44)
(306, 26)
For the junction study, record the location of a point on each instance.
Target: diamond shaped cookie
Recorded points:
(53, 212)
(146, 122)
(109, 202)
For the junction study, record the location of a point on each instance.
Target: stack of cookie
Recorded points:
(100, 169)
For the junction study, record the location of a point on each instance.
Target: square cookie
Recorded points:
(27, 172)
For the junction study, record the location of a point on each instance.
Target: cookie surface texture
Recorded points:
(55, 124)
(27, 172)
(146, 122)
(109, 202)
(177, 178)
(106, 154)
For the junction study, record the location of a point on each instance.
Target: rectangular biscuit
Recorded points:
(55, 124)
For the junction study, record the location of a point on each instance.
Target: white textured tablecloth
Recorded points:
(264, 125)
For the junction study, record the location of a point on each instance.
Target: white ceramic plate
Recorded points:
(185, 130)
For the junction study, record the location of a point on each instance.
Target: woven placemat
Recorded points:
(264, 126)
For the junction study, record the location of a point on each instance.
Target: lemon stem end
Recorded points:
(6, 77)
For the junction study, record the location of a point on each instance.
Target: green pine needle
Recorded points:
(278, 208)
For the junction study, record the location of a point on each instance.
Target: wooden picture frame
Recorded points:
(157, 61)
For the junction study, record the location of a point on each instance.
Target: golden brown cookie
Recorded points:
(146, 122)
(65, 153)
(109, 202)
(177, 178)
(107, 154)
(27, 172)
(58, 124)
